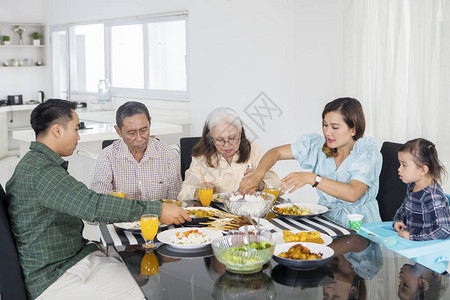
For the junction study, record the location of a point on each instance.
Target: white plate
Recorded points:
(278, 237)
(134, 226)
(314, 210)
(196, 220)
(219, 196)
(169, 251)
(168, 236)
(200, 208)
(327, 255)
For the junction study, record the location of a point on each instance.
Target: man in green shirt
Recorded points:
(47, 204)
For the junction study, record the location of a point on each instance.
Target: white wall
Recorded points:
(22, 11)
(290, 50)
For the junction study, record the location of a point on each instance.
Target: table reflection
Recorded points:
(418, 282)
(360, 270)
(240, 286)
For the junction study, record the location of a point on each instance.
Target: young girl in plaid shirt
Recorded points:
(424, 214)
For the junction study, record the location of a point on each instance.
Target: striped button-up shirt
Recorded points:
(425, 213)
(156, 176)
(46, 208)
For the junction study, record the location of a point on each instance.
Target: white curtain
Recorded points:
(397, 62)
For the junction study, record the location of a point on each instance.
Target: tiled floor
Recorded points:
(7, 166)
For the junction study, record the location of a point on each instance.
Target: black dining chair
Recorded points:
(186, 145)
(12, 285)
(106, 143)
(392, 190)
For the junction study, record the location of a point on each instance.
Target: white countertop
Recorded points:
(96, 131)
(9, 108)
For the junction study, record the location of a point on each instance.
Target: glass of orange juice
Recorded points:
(149, 264)
(272, 189)
(205, 194)
(149, 228)
(118, 193)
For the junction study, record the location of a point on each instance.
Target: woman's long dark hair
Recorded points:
(205, 146)
(352, 112)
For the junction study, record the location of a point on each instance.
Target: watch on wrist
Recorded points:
(318, 180)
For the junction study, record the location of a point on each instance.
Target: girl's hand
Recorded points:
(404, 234)
(205, 185)
(399, 226)
(295, 181)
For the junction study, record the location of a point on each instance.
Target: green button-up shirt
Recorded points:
(46, 208)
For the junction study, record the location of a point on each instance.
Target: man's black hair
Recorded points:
(50, 112)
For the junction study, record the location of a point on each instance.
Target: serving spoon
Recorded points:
(248, 239)
(292, 203)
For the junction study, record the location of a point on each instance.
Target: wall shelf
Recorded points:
(9, 67)
(23, 51)
(22, 46)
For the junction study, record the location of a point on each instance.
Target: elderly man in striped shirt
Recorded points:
(142, 168)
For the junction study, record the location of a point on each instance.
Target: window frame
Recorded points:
(146, 92)
(60, 28)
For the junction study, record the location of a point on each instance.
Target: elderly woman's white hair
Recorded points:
(221, 114)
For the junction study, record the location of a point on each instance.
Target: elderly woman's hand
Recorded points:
(205, 185)
(247, 173)
(295, 181)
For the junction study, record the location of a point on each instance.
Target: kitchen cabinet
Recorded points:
(22, 55)
(12, 118)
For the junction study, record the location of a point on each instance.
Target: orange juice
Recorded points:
(149, 264)
(205, 196)
(149, 226)
(118, 194)
(273, 192)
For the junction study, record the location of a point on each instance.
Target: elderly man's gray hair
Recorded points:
(129, 109)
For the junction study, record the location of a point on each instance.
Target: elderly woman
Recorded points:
(222, 157)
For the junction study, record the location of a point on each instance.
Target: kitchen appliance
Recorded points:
(15, 99)
(40, 96)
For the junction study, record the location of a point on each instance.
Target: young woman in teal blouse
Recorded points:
(345, 165)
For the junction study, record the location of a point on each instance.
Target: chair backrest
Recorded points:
(106, 143)
(186, 145)
(392, 190)
(12, 285)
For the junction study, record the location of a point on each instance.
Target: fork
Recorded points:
(292, 203)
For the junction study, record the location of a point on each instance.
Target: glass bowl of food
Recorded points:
(256, 205)
(243, 256)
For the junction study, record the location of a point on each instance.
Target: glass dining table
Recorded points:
(360, 269)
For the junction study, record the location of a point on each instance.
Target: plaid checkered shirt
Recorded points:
(46, 208)
(156, 176)
(425, 213)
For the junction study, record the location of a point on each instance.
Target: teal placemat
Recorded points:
(432, 254)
